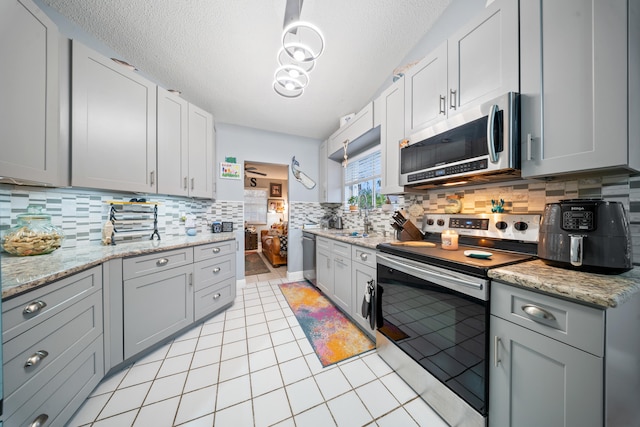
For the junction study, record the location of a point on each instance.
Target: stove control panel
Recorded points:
(498, 226)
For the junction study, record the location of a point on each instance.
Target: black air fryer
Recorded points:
(586, 234)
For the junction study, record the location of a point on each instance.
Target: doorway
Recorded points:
(266, 219)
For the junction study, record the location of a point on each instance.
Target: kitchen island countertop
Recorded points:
(21, 274)
(602, 290)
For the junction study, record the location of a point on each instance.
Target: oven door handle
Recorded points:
(422, 270)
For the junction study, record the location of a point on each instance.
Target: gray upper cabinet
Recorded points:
(29, 111)
(477, 63)
(173, 144)
(579, 76)
(113, 125)
(201, 142)
(390, 106)
(330, 177)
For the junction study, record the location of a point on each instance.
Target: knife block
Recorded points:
(410, 232)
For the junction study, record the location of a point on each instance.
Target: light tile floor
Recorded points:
(253, 366)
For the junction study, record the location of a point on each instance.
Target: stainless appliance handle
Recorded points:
(426, 271)
(493, 155)
(575, 253)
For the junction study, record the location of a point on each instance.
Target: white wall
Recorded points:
(247, 144)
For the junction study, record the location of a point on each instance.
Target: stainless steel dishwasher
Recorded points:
(309, 256)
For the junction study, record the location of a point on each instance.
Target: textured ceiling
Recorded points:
(222, 54)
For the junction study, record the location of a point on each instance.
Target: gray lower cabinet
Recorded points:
(547, 361)
(324, 269)
(341, 262)
(53, 349)
(214, 277)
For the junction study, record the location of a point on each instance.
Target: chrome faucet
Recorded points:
(367, 222)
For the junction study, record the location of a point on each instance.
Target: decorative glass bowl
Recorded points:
(34, 234)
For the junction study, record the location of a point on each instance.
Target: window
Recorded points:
(362, 180)
(255, 206)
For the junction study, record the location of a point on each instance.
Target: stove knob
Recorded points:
(501, 225)
(430, 221)
(520, 226)
(441, 222)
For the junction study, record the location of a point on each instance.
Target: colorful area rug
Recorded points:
(253, 264)
(331, 334)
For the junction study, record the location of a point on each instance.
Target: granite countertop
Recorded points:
(21, 274)
(371, 241)
(605, 291)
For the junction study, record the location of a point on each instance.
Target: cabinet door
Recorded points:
(391, 104)
(29, 121)
(173, 148)
(330, 177)
(360, 277)
(538, 381)
(426, 91)
(200, 153)
(324, 272)
(156, 306)
(483, 57)
(113, 125)
(342, 282)
(574, 86)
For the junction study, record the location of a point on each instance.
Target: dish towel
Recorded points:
(368, 302)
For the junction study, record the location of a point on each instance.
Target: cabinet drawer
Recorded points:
(323, 243)
(214, 250)
(50, 346)
(28, 310)
(342, 250)
(209, 272)
(60, 397)
(153, 263)
(571, 323)
(212, 298)
(363, 255)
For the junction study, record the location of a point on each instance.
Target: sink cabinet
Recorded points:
(52, 340)
(29, 112)
(568, 122)
(333, 271)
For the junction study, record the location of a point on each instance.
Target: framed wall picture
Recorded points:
(275, 190)
(274, 205)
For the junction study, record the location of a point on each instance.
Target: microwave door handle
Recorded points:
(493, 155)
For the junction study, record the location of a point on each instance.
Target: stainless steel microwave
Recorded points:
(481, 144)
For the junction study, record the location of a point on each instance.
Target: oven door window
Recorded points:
(442, 330)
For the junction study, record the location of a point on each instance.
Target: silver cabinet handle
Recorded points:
(39, 421)
(215, 250)
(442, 105)
(452, 99)
(538, 312)
(190, 279)
(35, 358)
(152, 177)
(34, 307)
(184, 183)
(364, 256)
(193, 181)
(162, 262)
(216, 270)
(216, 296)
(496, 344)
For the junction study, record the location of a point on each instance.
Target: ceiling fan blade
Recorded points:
(255, 172)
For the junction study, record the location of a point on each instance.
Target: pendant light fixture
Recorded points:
(302, 44)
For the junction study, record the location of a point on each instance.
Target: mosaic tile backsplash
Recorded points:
(82, 213)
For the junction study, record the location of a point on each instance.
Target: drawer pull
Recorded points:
(162, 262)
(35, 358)
(39, 421)
(535, 311)
(215, 250)
(216, 296)
(364, 257)
(496, 348)
(216, 270)
(34, 307)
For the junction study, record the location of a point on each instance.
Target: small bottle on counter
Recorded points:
(449, 240)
